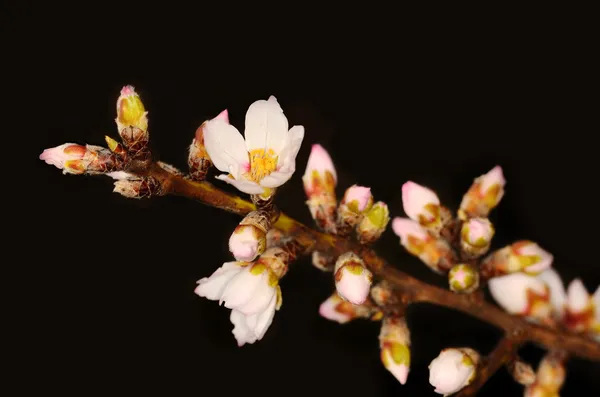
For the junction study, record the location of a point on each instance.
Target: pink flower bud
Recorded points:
(394, 342)
(453, 369)
(320, 176)
(421, 204)
(245, 242)
(64, 156)
(463, 278)
(337, 309)
(373, 223)
(352, 279)
(434, 252)
(358, 198)
(484, 195)
(578, 298)
(558, 295)
(477, 232)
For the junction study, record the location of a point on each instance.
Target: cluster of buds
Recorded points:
(550, 377)
(352, 279)
(335, 308)
(78, 159)
(433, 251)
(249, 239)
(132, 123)
(357, 210)
(198, 158)
(453, 369)
(251, 290)
(394, 342)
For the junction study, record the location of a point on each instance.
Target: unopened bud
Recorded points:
(319, 181)
(352, 279)
(551, 373)
(249, 239)
(434, 252)
(558, 295)
(323, 261)
(475, 237)
(463, 278)
(114, 146)
(484, 195)
(198, 159)
(138, 188)
(521, 372)
(130, 110)
(78, 159)
(373, 223)
(453, 369)
(522, 256)
(421, 204)
(356, 201)
(523, 295)
(580, 310)
(337, 309)
(394, 342)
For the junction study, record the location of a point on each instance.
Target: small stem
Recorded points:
(504, 351)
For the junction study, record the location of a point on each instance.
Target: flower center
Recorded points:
(262, 163)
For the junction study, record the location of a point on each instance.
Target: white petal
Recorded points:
(577, 296)
(121, 175)
(241, 289)
(276, 179)
(447, 373)
(261, 297)
(546, 258)
(225, 146)
(510, 291)
(242, 333)
(212, 287)
(242, 185)
(414, 199)
(266, 126)
(287, 156)
(558, 296)
(265, 319)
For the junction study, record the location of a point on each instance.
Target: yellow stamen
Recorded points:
(262, 164)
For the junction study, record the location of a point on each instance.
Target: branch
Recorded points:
(410, 288)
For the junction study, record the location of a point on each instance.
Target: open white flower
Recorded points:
(250, 290)
(267, 156)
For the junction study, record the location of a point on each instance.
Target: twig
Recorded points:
(409, 287)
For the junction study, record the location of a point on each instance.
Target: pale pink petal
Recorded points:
(260, 299)
(362, 195)
(242, 185)
(558, 295)
(57, 156)
(244, 245)
(578, 297)
(352, 287)
(405, 227)
(510, 291)
(414, 199)
(320, 161)
(287, 157)
(242, 333)
(266, 126)
(328, 310)
(276, 179)
(225, 146)
(264, 320)
(493, 177)
(400, 371)
(223, 116)
(479, 228)
(241, 289)
(212, 287)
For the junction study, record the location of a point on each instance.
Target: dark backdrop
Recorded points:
(109, 306)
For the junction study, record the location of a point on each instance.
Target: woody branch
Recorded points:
(519, 276)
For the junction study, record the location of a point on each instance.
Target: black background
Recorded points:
(107, 303)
